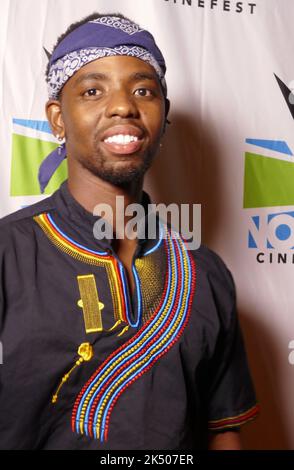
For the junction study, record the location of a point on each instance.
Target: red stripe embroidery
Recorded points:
(235, 420)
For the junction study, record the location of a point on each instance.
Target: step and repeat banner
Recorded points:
(229, 147)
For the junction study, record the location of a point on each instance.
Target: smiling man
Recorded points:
(116, 343)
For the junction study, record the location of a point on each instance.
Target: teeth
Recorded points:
(121, 139)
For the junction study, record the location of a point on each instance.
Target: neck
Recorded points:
(89, 191)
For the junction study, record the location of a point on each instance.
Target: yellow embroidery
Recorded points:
(115, 325)
(124, 330)
(80, 304)
(151, 270)
(86, 353)
(90, 303)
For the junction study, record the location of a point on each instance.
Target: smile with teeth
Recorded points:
(121, 139)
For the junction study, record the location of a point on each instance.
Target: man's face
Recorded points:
(113, 114)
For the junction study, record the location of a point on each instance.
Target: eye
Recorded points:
(92, 92)
(143, 92)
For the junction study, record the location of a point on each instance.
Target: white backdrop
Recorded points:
(221, 58)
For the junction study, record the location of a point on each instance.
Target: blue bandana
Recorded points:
(103, 37)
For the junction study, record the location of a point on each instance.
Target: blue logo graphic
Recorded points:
(272, 231)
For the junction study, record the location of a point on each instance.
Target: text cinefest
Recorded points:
(225, 5)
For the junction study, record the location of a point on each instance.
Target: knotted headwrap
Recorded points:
(102, 37)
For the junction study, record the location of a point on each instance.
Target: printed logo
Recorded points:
(32, 141)
(272, 233)
(268, 183)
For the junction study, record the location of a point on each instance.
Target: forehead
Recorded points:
(114, 68)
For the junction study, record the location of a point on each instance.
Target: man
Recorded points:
(114, 343)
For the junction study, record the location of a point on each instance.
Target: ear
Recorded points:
(54, 116)
(167, 107)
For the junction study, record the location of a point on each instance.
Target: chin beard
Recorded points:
(118, 177)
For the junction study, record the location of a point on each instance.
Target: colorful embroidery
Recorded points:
(95, 258)
(114, 270)
(166, 322)
(95, 403)
(234, 421)
(152, 273)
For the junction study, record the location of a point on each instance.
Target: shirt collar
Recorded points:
(80, 222)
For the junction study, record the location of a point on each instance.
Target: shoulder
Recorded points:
(27, 212)
(215, 294)
(21, 222)
(210, 265)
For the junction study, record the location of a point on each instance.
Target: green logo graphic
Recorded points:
(30, 145)
(268, 182)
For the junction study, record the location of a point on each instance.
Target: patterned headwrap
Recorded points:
(102, 37)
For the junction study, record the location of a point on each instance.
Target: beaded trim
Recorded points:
(96, 401)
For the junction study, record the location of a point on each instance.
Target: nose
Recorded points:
(122, 104)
